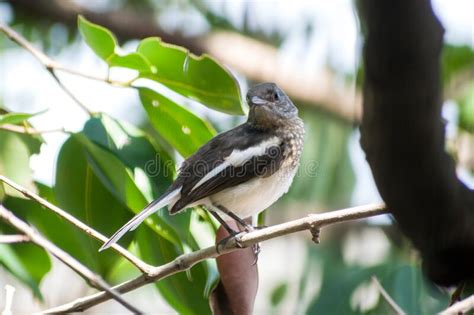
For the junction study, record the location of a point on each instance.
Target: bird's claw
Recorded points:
(223, 242)
(237, 239)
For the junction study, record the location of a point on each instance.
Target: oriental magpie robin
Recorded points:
(240, 172)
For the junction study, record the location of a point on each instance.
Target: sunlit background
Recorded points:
(313, 39)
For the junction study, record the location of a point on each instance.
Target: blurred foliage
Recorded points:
(466, 110)
(326, 176)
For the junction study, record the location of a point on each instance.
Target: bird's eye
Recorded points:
(276, 97)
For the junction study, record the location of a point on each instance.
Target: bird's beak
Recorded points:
(257, 100)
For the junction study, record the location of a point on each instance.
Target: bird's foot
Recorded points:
(232, 235)
(237, 239)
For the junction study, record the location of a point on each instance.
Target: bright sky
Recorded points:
(26, 86)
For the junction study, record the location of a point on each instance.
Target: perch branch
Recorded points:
(460, 307)
(144, 267)
(186, 261)
(93, 279)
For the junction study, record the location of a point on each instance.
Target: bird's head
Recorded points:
(269, 106)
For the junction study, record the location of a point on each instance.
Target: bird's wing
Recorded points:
(227, 160)
(230, 159)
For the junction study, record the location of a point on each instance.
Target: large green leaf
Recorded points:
(412, 292)
(120, 183)
(185, 131)
(185, 292)
(15, 152)
(199, 78)
(98, 38)
(136, 150)
(134, 60)
(134, 164)
(80, 192)
(104, 44)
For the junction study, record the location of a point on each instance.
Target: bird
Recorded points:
(240, 172)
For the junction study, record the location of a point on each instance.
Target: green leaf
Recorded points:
(122, 156)
(27, 263)
(80, 192)
(119, 182)
(185, 131)
(466, 111)
(456, 59)
(200, 78)
(279, 293)
(135, 61)
(185, 292)
(2, 192)
(16, 118)
(15, 152)
(136, 150)
(105, 45)
(412, 292)
(98, 38)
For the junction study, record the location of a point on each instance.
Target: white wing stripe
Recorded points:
(238, 158)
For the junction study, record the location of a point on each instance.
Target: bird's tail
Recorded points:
(131, 225)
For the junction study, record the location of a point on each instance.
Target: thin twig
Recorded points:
(395, 307)
(93, 279)
(144, 267)
(186, 261)
(28, 130)
(59, 67)
(460, 307)
(52, 65)
(14, 238)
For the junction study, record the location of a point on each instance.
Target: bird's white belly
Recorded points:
(255, 195)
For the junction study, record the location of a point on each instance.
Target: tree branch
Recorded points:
(186, 261)
(460, 307)
(144, 267)
(403, 136)
(15, 238)
(93, 279)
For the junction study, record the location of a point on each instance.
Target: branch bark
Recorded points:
(93, 279)
(15, 238)
(403, 136)
(183, 262)
(460, 307)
